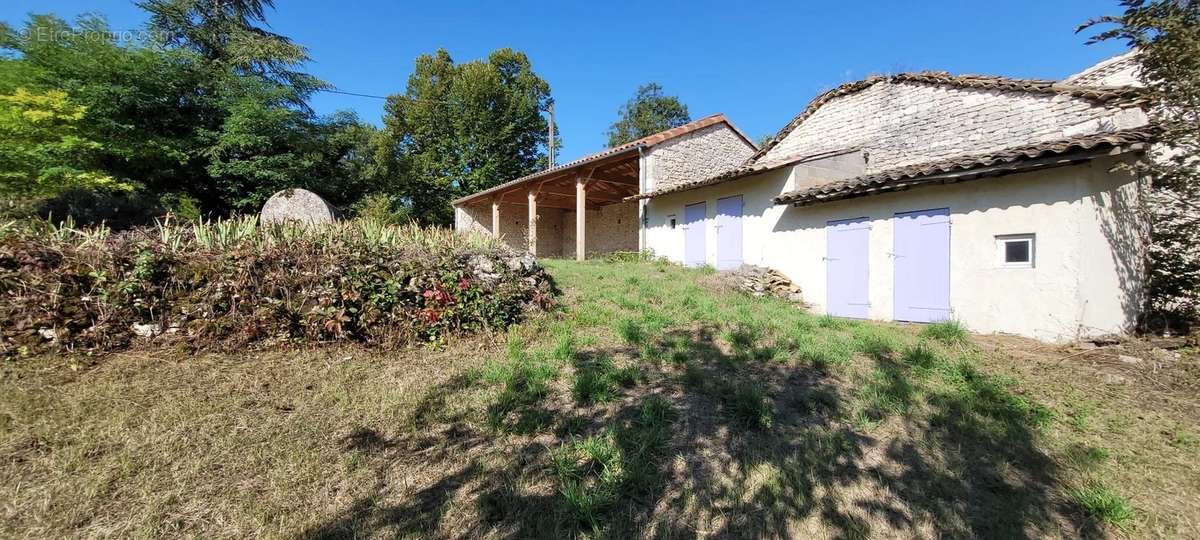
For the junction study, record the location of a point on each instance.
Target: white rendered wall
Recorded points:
(1086, 277)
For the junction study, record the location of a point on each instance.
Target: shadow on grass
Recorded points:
(715, 445)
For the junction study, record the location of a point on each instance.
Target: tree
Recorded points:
(43, 152)
(1167, 36)
(649, 112)
(181, 127)
(460, 128)
(227, 33)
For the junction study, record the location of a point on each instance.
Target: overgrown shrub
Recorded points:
(237, 282)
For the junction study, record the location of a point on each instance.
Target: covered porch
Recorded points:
(574, 210)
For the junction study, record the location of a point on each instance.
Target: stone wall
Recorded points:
(696, 155)
(610, 228)
(900, 123)
(475, 218)
(514, 219)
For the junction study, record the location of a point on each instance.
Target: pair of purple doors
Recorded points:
(728, 228)
(921, 257)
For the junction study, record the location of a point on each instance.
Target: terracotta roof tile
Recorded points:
(905, 177)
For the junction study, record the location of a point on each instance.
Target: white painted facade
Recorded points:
(1086, 278)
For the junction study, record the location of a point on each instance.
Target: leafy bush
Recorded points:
(382, 208)
(238, 282)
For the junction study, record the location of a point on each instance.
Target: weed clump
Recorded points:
(950, 332)
(1103, 504)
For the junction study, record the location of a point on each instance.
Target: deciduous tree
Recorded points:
(1167, 36)
(43, 152)
(649, 112)
(460, 128)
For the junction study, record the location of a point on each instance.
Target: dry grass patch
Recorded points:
(648, 406)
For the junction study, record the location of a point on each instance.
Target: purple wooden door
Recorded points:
(846, 269)
(922, 260)
(729, 232)
(693, 234)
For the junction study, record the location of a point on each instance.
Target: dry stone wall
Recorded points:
(696, 155)
(900, 123)
(514, 225)
(609, 228)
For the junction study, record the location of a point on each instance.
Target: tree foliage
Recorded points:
(460, 128)
(43, 151)
(1167, 36)
(195, 121)
(208, 115)
(229, 33)
(647, 113)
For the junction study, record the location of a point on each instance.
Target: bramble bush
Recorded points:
(238, 283)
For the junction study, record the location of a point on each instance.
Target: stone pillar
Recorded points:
(580, 219)
(496, 218)
(533, 223)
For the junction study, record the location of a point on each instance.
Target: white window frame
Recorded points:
(1002, 242)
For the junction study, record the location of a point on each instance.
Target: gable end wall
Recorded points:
(904, 123)
(695, 156)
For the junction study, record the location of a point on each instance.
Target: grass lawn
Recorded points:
(652, 403)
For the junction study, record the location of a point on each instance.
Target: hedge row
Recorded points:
(237, 283)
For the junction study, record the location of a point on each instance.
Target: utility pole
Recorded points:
(550, 109)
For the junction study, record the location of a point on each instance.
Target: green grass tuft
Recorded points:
(1103, 504)
(921, 356)
(630, 330)
(656, 412)
(950, 332)
(876, 342)
(564, 347)
(750, 405)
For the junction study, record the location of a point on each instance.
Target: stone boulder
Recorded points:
(300, 205)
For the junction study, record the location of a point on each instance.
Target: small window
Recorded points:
(1015, 250)
(671, 218)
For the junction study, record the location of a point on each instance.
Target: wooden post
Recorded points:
(496, 218)
(533, 222)
(580, 219)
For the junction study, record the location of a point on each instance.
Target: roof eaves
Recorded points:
(908, 176)
(614, 151)
(642, 143)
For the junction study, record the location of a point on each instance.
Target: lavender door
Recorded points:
(729, 232)
(922, 260)
(693, 234)
(846, 269)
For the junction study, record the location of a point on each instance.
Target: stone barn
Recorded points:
(584, 208)
(916, 197)
(926, 196)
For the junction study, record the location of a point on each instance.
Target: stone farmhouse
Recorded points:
(915, 197)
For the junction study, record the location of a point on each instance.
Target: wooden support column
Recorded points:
(533, 222)
(496, 218)
(580, 218)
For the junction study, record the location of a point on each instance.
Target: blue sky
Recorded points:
(758, 64)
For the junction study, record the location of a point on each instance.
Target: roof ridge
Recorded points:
(1131, 54)
(1101, 94)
